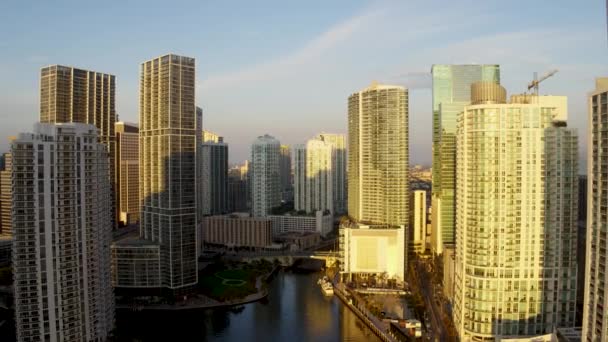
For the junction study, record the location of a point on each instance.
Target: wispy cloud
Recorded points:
(310, 52)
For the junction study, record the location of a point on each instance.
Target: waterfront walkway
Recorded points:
(377, 326)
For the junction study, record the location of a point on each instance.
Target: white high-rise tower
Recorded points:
(62, 224)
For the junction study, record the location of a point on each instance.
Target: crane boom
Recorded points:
(534, 84)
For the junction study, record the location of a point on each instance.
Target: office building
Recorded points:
(70, 94)
(516, 220)
(6, 194)
(285, 166)
(168, 164)
(595, 320)
(338, 142)
(417, 228)
(451, 92)
(214, 178)
(316, 171)
(237, 190)
(62, 227)
(127, 173)
(265, 175)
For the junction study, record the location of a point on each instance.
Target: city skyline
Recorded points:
(316, 48)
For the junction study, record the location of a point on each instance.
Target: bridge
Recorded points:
(285, 258)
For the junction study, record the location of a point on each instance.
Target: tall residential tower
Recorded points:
(595, 319)
(62, 233)
(265, 175)
(168, 147)
(373, 239)
(516, 223)
(127, 172)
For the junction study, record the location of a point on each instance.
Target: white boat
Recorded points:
(326, 287)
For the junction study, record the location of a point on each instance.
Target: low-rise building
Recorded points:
(369, 249)
(236, 231)
(319, 222)
(135, 263)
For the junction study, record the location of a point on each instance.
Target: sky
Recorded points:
(286, 68)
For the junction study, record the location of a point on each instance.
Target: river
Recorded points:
(295, 310)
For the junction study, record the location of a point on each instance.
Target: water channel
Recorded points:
(294, 311)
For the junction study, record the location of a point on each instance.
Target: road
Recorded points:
(426, 288)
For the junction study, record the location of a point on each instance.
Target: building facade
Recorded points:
(595, 320)
(62, 227)
(451, 92)
(6, 194)
(70, 94)
(127, 173)
(318, 222)
(265, 175)
(314, 176)
(236, 231)
(286, 181)
(339, 162)
(238, 194)
(214, 178)
(417, 229)
(368, 250)
(378, 155)
(516, 221)
(168, 164)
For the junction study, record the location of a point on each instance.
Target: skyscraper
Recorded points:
(265, 175)
(214, 177)
(299, 177)
(595, 320)
(451, 92)
(373, 239)
(285, 165)
(378, 155)
(127, 172)
(168, 147)
(314, 175)
(516, 222)
(6, 194)
(70, 94)
(62, 235)
(338, 142)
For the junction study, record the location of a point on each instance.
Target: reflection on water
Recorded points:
(295, 310)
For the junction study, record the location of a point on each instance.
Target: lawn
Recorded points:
(225, 283)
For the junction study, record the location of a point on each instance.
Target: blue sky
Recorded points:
(286, 68)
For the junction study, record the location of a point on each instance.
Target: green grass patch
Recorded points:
(229, 282)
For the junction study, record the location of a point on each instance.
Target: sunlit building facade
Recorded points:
(69, 94)
(378, 155)
(338, 143)
(6, 194)
(127, 172)
(516, 220)
(265, 175)
(595, 319)
(314, 175)
(451, 92)
(168, 154)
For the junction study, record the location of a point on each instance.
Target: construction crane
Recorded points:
(534, 84)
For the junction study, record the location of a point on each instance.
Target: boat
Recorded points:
(326, 287)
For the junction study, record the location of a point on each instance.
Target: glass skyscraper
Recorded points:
(451, 92)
